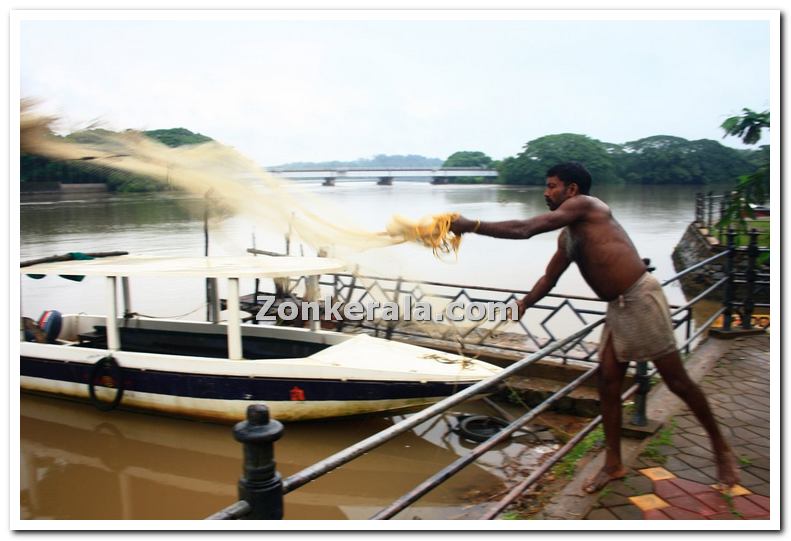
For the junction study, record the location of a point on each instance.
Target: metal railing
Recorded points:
(711, 210)
(261, 490)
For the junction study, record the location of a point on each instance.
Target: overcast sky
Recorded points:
(283, 91)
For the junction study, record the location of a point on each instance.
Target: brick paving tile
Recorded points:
(697, 476)
(723, 516)
(716, 501)
(601, 514)
(748, 480)
(697, 430)
(682, 514)
(655, 514)
(627, 512)
(694, 461)
(612, 499)
(684, 421)
(697, 450)
(760, 431)
(691, 487)
(647, 502)
(702, 441)
(759, 500)
(731, 422)
(762, 489)
(761, 473)
(692, 504)
(666, 489)
(747, 508)
(638, 484)
(735, 490)
(657, 474)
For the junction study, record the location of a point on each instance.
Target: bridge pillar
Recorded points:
(385, 181)
(329, 181)
(439, 180)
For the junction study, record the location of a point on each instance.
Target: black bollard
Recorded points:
(639, 418)
(260, 485)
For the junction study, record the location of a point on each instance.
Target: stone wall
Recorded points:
(695, 246)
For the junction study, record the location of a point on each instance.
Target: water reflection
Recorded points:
(79, 463)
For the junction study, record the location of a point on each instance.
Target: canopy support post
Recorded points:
(234, 321)
(113, 338)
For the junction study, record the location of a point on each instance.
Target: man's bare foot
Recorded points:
(727, 470)
(605, 475)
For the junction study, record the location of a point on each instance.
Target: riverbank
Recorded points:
(671, 473)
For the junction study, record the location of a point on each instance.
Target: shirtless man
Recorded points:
(637, 325)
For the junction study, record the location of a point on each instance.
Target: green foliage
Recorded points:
(530, 166)
(663, 159)
(176, 137)
(466, 158)
(751, 188)
(41, 169)
(748, 126)
(660, 160)
(663, 438)
(745, 460)
(568, 465)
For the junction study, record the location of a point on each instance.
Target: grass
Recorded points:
(568, 465)
(745, 461)
(664, 437)
(761, 225)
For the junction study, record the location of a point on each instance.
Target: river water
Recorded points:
(79, 463)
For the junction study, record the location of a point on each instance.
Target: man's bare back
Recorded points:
(602, 250)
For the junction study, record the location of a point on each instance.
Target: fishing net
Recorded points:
(234, 182)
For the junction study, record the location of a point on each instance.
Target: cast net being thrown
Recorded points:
(234, 182)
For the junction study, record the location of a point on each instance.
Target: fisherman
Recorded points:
(637, 325)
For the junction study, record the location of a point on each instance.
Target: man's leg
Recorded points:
(676, 378)
(611, 374)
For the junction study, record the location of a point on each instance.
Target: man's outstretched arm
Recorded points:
(570, 211)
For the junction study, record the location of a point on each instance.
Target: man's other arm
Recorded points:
(556, 267)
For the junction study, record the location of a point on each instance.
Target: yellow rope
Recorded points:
(432, 231)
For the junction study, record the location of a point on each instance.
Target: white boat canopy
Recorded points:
(231, 267)
(203, 267)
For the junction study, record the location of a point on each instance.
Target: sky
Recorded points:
(326, 89)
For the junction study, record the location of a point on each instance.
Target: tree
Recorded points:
(530, 166)
(468, 158)
(751, 189)
(665, 159)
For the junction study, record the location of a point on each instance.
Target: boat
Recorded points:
(214, 370)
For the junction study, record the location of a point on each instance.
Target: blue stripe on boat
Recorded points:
(241, 387)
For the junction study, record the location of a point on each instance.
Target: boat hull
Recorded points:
(226, 398)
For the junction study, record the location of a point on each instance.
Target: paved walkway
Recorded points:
(673, 474)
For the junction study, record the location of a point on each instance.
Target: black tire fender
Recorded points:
(116, 372)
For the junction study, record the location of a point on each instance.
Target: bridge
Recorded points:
(383, 176)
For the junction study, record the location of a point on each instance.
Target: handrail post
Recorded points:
(749, 301)
(396, 295)
(260, 485)
(727, 300)
(699, 208)
(723, 204)
(640, 418)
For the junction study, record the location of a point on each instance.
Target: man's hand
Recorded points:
(521, 308)
(462, 225)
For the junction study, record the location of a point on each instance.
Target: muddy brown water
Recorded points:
(79, 463)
